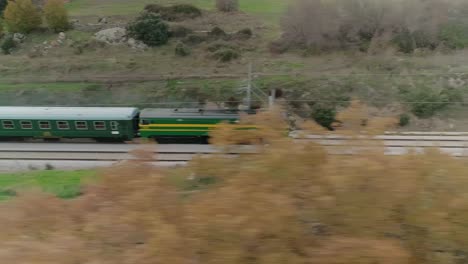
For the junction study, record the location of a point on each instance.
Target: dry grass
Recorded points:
(293, 203)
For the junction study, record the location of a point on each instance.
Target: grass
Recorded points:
(268, 9)
(49, 86)
(63, 184)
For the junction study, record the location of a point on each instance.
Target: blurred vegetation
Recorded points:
(56, 15)
(290, 203)
(374, 26)
(22, 16)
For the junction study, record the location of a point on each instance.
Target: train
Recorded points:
(113, 123)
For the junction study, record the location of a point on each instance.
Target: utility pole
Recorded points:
(249, 88)
(272, 97)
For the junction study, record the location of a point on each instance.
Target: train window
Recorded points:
(114, 125)
(81, 125)
(26, 125)
(8, 124)
(145, 122)
(63, 125)
(99, 125)
(44, 124)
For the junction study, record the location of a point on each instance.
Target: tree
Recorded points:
(150, 29)
(3, 4)
(227, 5)
(56, 15)
(22, 16)
(310, 23)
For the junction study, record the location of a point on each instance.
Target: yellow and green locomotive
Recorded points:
(110, 123)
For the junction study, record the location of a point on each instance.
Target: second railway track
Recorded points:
(455, 145)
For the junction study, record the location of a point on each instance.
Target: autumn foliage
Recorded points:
(56, 15)
(291, 203)
(22, 16)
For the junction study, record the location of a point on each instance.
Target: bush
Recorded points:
(221, 45)
(243, 34)
(56, 15)
(3, 4)
(278, 46)
(404, 120)
(194, 39)
(454, 35)
(227, 5)
(186, 10)
(324, 117)
(182, 50)
(8, 44)
(405, 42)
(22, 16)
(217, 33)
(226, 55)
(426, 101)
(150, 29)
(175, 12)
(359, 24)
(179, 31)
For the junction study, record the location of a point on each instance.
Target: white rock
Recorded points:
(62, 36)
(136, 44)
(18, 37)
(131, 42)
(111, 36)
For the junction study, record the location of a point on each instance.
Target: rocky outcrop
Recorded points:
(118, 36)
(112, 36)
(18, 37)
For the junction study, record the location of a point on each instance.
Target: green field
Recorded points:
(63, 184)
(49, 86)
(264, 8)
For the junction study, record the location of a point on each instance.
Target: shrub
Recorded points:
(221, 45)
(360, 24)
(3, 4)
(243, 34)
(227, 5)
(324, 117)
(217, 33)
(310, 23)
(182, 50)
(405, 42)
(404, 120)
(278, 46)
(180, 31)
(454, 35)
(175, 12)
(8, 44)
(56, 15)
(226, 55)
(150, 29)
(426, 101)
(22, 16)
(155, 8)
(186, 10)
(194, 39)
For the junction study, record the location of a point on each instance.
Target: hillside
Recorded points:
(429, 88)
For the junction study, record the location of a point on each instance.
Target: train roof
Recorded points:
(68, 113)
(187, 113)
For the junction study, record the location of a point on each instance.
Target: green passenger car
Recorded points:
(182, 122)
(118, 123)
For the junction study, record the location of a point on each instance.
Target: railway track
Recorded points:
(455, 144)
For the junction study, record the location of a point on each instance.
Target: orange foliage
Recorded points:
(293, 203)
